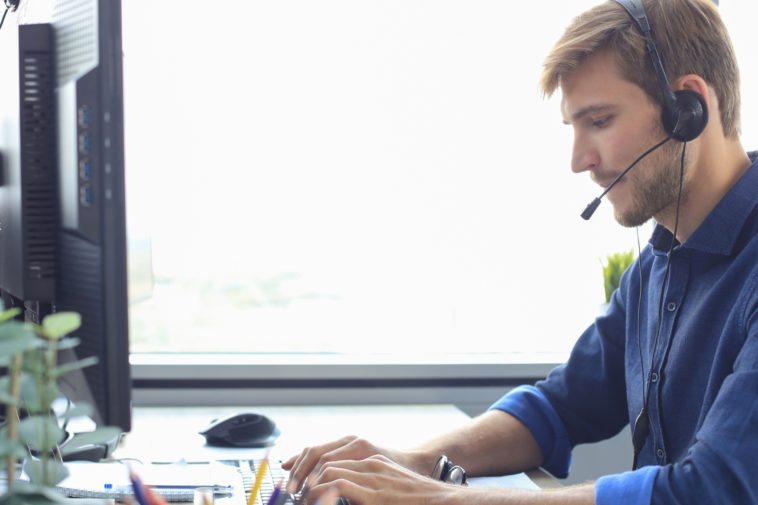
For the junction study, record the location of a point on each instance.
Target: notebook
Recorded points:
(175, 482)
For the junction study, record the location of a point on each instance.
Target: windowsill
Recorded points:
(221, 366)
(470, 381)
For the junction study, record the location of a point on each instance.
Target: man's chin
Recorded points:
(630, 219)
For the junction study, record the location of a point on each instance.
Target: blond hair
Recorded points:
(689, 34)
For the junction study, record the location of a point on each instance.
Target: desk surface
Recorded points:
(172, 434)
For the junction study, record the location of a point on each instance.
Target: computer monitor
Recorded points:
(62, 202)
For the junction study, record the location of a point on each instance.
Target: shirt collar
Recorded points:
(719, 232)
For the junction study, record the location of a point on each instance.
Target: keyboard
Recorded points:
(247, 469)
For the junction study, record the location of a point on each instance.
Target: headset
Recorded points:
(10, 6)
(684, 112)
(684, 115)
(684, 118)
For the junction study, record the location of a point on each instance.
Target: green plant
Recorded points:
(614, 266)
(32, 432)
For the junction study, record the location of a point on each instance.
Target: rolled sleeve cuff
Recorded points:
(530, 406)
(628, 488)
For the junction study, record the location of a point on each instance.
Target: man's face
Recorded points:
(614, 122)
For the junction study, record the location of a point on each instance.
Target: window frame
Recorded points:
(247, 379)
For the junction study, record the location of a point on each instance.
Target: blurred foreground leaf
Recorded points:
(36, 470)
(16, 337)
(68, 343)
(60, 324)
(74, 365)
(25, 493)
(40, 433)
(9, 314)
(9, 448)
(33, 399)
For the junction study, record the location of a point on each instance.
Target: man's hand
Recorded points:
(375, 480)
(366, 474)
(312, 459)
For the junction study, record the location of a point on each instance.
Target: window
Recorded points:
(377, 178)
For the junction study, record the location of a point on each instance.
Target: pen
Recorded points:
(139, 491)
(154, 498)
(259, 473)
(273, 500)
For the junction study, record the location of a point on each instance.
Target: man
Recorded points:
(678, 347)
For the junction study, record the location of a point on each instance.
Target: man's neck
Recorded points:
(713, 172)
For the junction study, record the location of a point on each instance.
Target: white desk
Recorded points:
(171, 433)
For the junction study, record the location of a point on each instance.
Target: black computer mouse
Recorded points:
(241, 430)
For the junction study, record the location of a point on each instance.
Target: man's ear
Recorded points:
(693, 82)
(686, 118)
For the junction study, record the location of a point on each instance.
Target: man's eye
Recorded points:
(601, 123)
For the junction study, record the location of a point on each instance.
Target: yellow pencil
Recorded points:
(259, 473)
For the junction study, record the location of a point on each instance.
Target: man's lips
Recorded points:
(603, 183)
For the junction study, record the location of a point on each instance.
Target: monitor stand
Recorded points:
(87, 452)
(75, 445)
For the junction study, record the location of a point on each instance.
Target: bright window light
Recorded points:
(360, 177)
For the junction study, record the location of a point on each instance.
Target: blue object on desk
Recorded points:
(139, 491)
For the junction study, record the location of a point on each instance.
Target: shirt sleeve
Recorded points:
(628, 488)
(532, 408)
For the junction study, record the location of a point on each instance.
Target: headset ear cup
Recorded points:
(688, 121)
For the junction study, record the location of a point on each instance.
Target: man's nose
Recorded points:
(583, 157)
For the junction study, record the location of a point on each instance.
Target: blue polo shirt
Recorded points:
(703, 372)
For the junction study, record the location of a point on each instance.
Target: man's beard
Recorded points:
(655, 191)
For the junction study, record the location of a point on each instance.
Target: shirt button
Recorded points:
(660, 453)
(671, 307)
(653, 377)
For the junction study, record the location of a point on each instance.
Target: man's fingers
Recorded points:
(330, 497)
(330, 493)
(376, 480)
(302, 465)
(364, 473)
(291, 461)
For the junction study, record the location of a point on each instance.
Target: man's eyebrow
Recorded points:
(590, 109)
